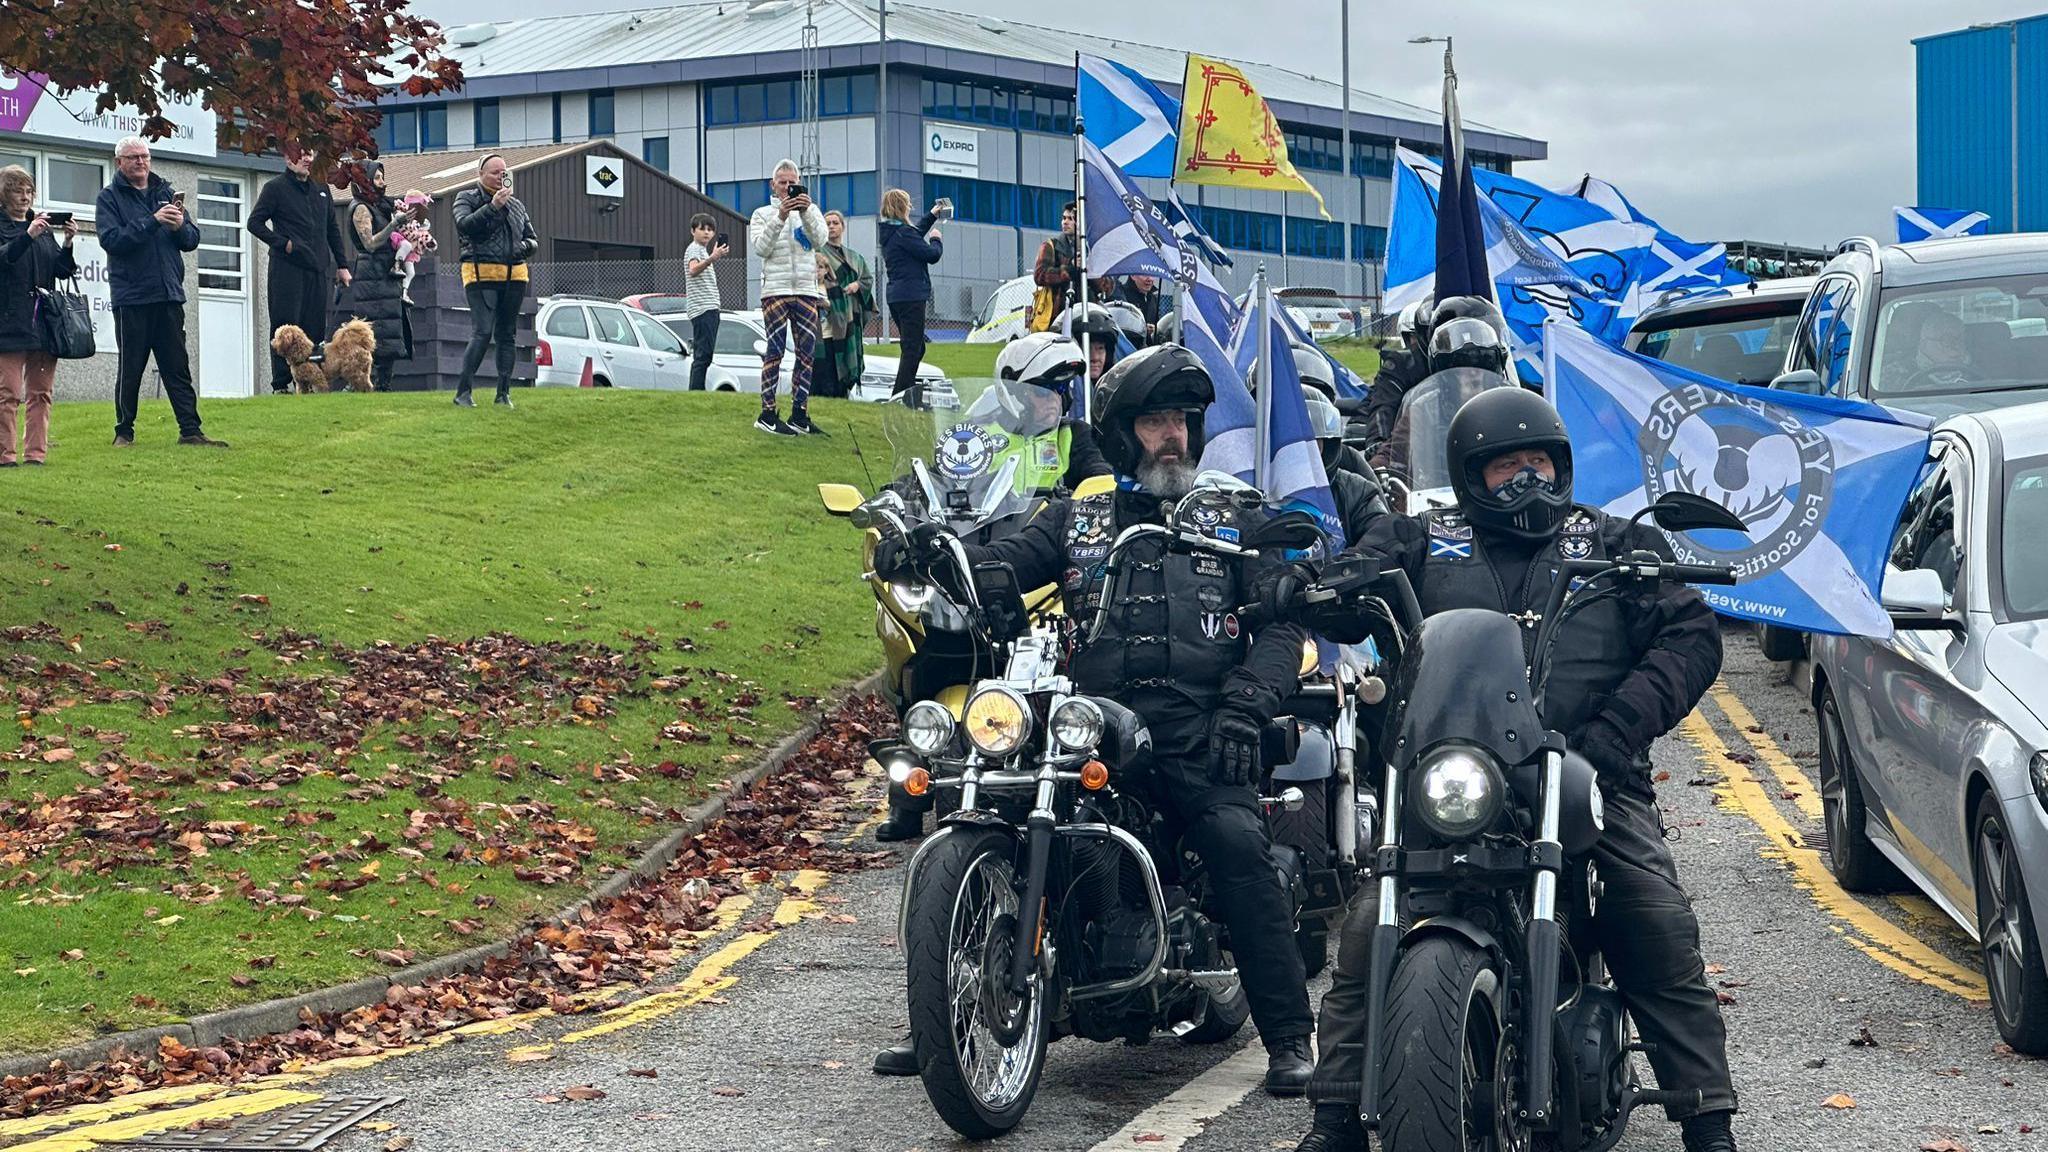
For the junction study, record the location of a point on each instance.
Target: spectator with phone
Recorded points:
(294, 218)
(144, 229)
(497, 238)
(785, 234)
(701, 297)
(908, 252)
(31, 258)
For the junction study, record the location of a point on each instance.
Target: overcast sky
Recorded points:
(1786, 120)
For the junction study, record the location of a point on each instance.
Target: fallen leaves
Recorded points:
(728, 1091)
(1840, 1101)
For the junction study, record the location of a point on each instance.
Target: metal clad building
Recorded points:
(1966, 99)
(709, 92)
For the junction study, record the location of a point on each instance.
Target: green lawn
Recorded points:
(386, 677)
(967, 360)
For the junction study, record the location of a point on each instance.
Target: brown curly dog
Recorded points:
(345, 361)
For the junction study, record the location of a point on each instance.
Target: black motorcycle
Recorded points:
(1490, 1020)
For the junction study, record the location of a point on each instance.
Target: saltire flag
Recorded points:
(1461, 248)
(1185, 226)
(1294, 471)
(1671, 263)
(1818, 480)
(1349, 386)
(1126, 116)
(1939, 223)
(1228, 135)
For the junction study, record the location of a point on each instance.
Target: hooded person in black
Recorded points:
(294, 218)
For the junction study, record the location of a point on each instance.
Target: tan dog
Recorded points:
(346, 360)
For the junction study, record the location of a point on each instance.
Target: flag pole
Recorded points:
(1262, 397)
(1080, 306)
(1353, 189)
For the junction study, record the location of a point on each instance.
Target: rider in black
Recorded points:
(1358, 496)
(1174, 651)
(1626, 671)
(1401, 368)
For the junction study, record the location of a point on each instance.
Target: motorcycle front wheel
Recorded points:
(1445, 1028)
(983, 1047)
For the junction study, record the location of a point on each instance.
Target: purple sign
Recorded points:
(18, 96)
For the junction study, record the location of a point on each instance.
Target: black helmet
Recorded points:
(1310, 365)
(1417, 327)
(1094, 319)
(1162, 378)
(1467, 342)
(1474, 307)
(1501, 420)
(1328, 426)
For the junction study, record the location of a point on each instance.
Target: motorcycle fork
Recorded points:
(1546, 856)
(1038, 837)
(1386, 940)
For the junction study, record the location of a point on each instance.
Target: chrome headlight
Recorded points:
(1076, 724)
(997, 721)
(2038, 772)
(911, 596)
(928, 727)
(1458, 791)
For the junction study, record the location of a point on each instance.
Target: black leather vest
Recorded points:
(1594, 653)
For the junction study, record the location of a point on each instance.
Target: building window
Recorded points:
(73, 181)
(654, 150)
(433, 127)
(601, 102)
(850, 193)
(774, 101)
(1040, 207)
(968, 101)
(400, 131)
(1368, 242)
(852, 95)
(1040, 112)
(975, 201)
(1372, 158)
(557, 110)
(742, 196)
(1244, 231)
(219, 216)
(484, 114)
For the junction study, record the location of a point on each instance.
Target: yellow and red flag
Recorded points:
(1229, 137)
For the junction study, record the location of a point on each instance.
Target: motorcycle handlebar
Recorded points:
(1645, 565)
(1701, 573)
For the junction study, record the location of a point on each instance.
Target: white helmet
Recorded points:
(1045, 359)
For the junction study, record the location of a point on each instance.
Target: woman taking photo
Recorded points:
(30, 258)
(908, 253)
(497, 237)
(376, 291)
(849, 301)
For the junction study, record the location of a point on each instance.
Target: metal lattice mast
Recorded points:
(808, 160)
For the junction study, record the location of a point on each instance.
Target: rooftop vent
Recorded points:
(992, 24)
(471, 35)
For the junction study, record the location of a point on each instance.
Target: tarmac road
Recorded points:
(763, 1039)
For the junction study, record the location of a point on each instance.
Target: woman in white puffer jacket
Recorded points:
(785, 234)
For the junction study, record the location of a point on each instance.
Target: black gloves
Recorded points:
(1277, 590)
(916, 552)
(1600, 742)
(1234, 746)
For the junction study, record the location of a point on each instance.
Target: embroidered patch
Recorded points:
(1230, 627)
(1448, 530)
(1581, 521)
(1575, 547)
(1072, 578)
(1212, 625)
(1459, 549)
(1209, 597)
(1089, 551)
(1226, 534)
(1206, 516)
(965, 451)
(1208, 566)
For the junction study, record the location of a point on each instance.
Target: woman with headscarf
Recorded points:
(377, 291)
(850, 300)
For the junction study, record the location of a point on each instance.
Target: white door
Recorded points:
(671, 363)
(227, 348)
(630, 365)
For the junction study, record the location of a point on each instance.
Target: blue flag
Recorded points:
(1294, 471)
(1940, 223)
(1461, 263)
(1185, 227)
(1125, 115)
(1669, 264)
(1818, 480)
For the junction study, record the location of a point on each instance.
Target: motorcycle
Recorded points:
(1326, 843)
(1413, 463)
(1485, 896)
(1055, 900)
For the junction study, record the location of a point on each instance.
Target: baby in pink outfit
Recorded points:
(414, 238)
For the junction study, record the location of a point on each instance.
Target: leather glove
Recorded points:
(1277, 591)
(916, 552)
(1234, 747)
(1600, 742)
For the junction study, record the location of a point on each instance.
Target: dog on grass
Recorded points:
(344, 362)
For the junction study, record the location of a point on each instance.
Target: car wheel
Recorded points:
(600, 382)
(727, 388)
(2005, 929)
(1781, 644)
(1856, 863)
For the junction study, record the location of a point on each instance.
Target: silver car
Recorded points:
(1934, 743)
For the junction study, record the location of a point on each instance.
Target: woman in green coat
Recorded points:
(850, 300)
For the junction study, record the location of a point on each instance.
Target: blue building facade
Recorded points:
(1970, 84)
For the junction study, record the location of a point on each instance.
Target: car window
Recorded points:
(655, 336)
(2023, 539)
(1927, 537)
(662, 305)
(1808, 342)
(736, 339)
(1985, 335)
(568, 320)
(612, 327)
(1838, 341)
(1744, 351)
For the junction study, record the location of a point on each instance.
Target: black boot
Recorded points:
(902, 824)
(1288, 1066)
(1336, 1130)
(900, 1060)
(504, 399)
(1708, 1132)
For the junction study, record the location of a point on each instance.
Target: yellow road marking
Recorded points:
(1876, 937)
(129, 1128)
(110, 1109)
(1791, 778)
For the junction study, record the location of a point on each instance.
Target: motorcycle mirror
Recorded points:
(1291, 529)
(840, 499)
(1094, 486)
(1685, 512)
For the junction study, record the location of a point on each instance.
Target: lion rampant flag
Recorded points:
(1229, 137)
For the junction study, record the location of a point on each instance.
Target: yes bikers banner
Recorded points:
(1818, 480)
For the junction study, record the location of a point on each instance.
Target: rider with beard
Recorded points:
(1626, 671)
(1172, 650)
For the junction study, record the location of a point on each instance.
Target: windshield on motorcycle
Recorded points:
(991, 453)
(1418, 450)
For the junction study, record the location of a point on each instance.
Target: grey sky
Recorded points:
(1786, 120)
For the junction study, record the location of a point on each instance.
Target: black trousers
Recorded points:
(296, 296)
(703, 344)
(1646, 929)
(1222, 826)
(493, 317)
(140, 332)
(909, 319)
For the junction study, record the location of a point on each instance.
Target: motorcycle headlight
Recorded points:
(928, 727)
(911, 595)
(997, 721)
(1076, 725)
(1458, 791)
(1311, 658)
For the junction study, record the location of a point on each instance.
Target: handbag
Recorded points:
(64, 322)
(1044, 308)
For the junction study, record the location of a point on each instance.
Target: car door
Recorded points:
(624, 361)
(737, 350)
(669, 366)
(570, 345)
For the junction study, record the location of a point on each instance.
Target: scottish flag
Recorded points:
(1243, 353)
(1184, 226)
(1818, 480)
(1671, 263)
(1294, 472)
(1940, 223)
(1127, 116)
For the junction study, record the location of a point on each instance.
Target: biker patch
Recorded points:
(1230, 626)
(1205, 516)
(1209, 598)
(1580, 523)
(1450, 527)
(966, 450)
(1208, 566)
(1227, 534)
(1446, 546)
(1212, 625)
(1575, 547)
(1088, 551)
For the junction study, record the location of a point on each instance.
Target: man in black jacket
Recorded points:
(1356, 492)
(1625, 671)
(145, 232)
(1173, 650)
(294, 218)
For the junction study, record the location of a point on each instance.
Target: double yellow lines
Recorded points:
(1741, 790)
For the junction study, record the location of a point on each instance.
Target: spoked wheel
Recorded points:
(982, 1047)
(2012, 949)
(1446, 1030)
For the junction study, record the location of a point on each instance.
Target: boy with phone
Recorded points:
(700, 281)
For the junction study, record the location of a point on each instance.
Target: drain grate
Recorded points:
(299, 1129)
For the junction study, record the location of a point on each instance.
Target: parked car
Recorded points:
(659, 303)
(624, 347)
(1735, 334)
(743, 340)
(1934, 743)
(1006, 315)
(1320, 312)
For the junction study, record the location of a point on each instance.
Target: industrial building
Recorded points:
(714, 94)
(1982, 110)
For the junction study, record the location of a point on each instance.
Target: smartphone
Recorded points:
(796, 190)
(58, 219)
(720, 241)
(178, 198)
